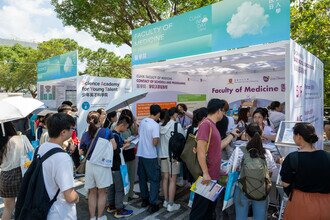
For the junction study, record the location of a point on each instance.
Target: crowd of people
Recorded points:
(304, 174)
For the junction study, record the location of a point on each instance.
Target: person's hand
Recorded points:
(126, 145)
(280, 160)
(206, 179)
(77, 199)
(236, 132)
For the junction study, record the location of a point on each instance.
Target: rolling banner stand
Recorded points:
(235, 50)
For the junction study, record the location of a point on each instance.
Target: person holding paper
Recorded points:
(306, 177)
(209, 156)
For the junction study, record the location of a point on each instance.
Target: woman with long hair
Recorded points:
(306, 177)
(169, 169)
(11, 149)
(260, 116)
(256, 150)
(243, 118)
(97, 178)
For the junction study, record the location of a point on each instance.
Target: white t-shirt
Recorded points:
(58, 174)
(148, 130)
(276, 117)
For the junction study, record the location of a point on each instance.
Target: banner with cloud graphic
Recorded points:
(58, 67)
(221, 26)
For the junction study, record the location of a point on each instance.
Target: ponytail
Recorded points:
(93, 119)
(254, 146)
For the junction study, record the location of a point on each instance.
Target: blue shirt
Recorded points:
(86, 140)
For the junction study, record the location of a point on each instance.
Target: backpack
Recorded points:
(176, 144)
(254, 178)
(33, 202)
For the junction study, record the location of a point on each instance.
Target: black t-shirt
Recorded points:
(116, 153)
(312, 174)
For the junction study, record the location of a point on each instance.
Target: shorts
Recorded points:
(10, 182)
(97, 176)
(165, 166)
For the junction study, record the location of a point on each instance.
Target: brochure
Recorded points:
(210, 191)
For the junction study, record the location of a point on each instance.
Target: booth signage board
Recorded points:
(260, 88)
(168, 90)
(58, 67)
(53, 93)
(217, 27)
(306, 88)
(96, 92)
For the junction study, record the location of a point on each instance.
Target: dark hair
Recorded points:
(59, 122)
(127, 115)
(69, 103)
(124, 120)
(222, 126)
(274, 105)
(169, 114)
(64, 108)
(242, 114)
(215, 104)
(47, 116)
(94, 118)
(263, 112)
(100, 110)
(162, 114)
(9, 132)
(184, 106)
(108, 122)
(74, 108)
(306, 131)
(254, 146)
(198, 116)
(155, 109)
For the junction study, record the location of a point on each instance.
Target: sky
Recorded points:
(36, 21)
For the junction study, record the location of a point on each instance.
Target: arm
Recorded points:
(114, 144)
(155, 141)
(71, 196)
(189, 114)
(230, 137)
(201, 155)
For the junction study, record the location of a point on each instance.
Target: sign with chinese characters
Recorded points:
(306, 89)
(96, 92)
(58, 67)
(221, 26)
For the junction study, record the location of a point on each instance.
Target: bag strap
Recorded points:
(122, 160)
(50, 153)
(92, 142)
(176, 127)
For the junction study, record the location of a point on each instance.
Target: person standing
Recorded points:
(209, 160)
(275, 114)
(306, 177)
(11, 146)
(148, 167)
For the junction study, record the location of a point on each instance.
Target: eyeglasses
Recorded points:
(73, 129)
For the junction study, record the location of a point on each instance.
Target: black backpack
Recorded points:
(176, 144)
(33, 202)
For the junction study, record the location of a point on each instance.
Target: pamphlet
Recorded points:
(210, 191)
(134, 140)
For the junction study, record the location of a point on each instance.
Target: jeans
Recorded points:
(149, 170)
(131, 175)
(242, 206)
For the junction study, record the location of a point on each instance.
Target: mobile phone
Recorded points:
(241, 129)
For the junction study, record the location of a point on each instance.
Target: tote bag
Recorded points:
(103, 152)
(26, 154)
(230, 187)
(124, 173)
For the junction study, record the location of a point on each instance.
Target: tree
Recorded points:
(310, 27)
(112, 21)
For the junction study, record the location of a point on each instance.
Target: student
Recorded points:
(11, 146)
(169, 169)
(209, 160)
(275, 114)
(58, 168)
(116, 190)
(256, 150)
(148, 167)
(97, 178)
(306, 177)
(110, 119)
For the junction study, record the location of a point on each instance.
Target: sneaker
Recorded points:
(123, 213)
(173, 207)
(103, 217)
(165, 203)
(145, 203)
(134, 196)
(125, 203)
(153, 208)
(94, 218)
(111, 209)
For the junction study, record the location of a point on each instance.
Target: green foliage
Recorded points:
(112, 21)
(18, 64)
(310, 27)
